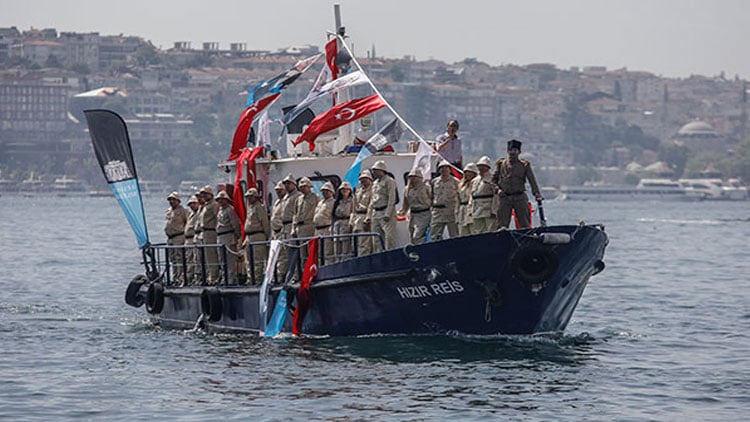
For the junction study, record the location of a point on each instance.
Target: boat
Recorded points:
(153, 188)
(68, 186)
(187, 188)
(716, 188)
(505, 282)
(33, 185)
(647, 189)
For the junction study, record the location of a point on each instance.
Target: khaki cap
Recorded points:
(379, 165)
(193, 200)
(289, 179)
(253, 192)
(174, 195)
(472, 168)
(304, 182)
(207, 189)
(327, 186)
(280, 185)
(443, 163)
(415, 172)
(365, 174)
(223, 195)
(484, 161)
(345, 185)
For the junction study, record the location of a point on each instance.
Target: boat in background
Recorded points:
(33, 185)
(154, 188)
(68, 186)
(716, 188)
(647, 189)
(189, 188)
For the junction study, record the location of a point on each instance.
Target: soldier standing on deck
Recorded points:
(323, 219)
(228, 234)
(482, 197)
(510, 176)
(465, 216)
(174, 228)
(208, 225)
(358, 219)
(444, 203)
(342, 212)
(257, 229)
(191, 253)
(382, 211)
(288, 207)
(417, 203)
(304, 214)
(276, 221)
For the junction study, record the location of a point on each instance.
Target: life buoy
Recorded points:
(133, 295)
(211, 305)
(155, 298)
(534, 264)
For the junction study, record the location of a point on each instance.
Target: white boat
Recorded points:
(189, 188)
(716, 189)
(154, 188)
(67, 186)
(647, 189)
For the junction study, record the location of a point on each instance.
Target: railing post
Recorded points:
(226, 264)
(203, 265)
(251, 262)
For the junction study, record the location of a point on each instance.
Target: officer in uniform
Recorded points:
(276, 219)
(358, 219)
(382, 211)
(228, 233)
(288, 207)
(323, 219)
(510, 176)
(342, 212)
(208, 226)
(444, 203)
(465, 217)
(482, 197)
(257, 229)
(174, 228)
(304, 213)
(417, 203)
(191, 253)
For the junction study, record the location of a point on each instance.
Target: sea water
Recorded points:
(660, 334)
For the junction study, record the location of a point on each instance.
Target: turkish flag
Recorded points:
(246, 121)
(340, 115)
(246, 160)
(332, 50)
(303, 295)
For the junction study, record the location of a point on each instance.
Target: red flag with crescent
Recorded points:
(332, 50)
(303, 295)
(246, 121)
(340, 115)
(246, 160)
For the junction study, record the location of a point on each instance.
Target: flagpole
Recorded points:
(374, 88)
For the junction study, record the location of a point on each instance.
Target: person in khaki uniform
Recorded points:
(228, 233)
(358, 219)
(510, 176)
(288, 207)
(342, 212)
(444, 203)
(208, 225)
(465, 216)
(276, 219)
(304, 214)
(382, 210)
(257, 229)
(323, 219)
(174, 228)
(417, 203)
(482, 197)
(191, 254)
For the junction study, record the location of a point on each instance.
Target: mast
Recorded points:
(346, 132)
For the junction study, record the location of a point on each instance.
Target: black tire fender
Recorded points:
(133, 295)
(534, 264)
(211, 304)
(155, 298)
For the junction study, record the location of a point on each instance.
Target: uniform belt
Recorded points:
(300, 223)
(209, 230)
(254, 232)
(198, 231)
(226, 232)
(175, 235)
(482, 196)
(322, 227)
(464, 203)
(189, 237)
(286, 222)
(276, 230)
(380, 208)
(513, 193)
(418, 211)
(360, 212)
(438, 206)
(340, 218)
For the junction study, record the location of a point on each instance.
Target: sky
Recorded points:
(670, 38)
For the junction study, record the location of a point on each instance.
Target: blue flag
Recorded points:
(389, 134)
(109, 136)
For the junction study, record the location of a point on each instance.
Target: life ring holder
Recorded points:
(155, 298)
(211, 304)
(133, 295)
(534, 264)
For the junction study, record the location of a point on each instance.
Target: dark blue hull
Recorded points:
(506, 282)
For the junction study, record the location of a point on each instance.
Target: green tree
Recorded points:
(674, 155)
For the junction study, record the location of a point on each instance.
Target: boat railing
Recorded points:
(184, 265)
